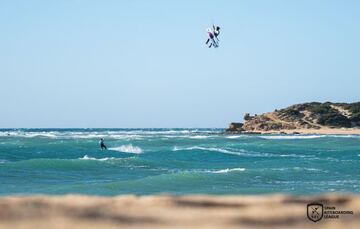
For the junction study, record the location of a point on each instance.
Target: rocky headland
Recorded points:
(305, 118)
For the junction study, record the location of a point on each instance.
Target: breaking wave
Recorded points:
(86, 157)
(199, 137)
(228, 170)
(212, 149)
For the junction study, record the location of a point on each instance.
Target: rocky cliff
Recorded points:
(302, 116)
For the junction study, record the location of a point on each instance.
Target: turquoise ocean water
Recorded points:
(175, 161)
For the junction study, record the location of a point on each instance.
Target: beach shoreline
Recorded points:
(322, 131)
(163, 211)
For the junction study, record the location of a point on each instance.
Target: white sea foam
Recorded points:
(298, 169)
(116, 134)
(294, 155)
(345, 136)
(285, 137)
(199, 137)
(236, 136)
(38, 134)
(86, 136)
(239, 152)
(86, 157)
(307, 169)
(127, 149)
(228, 170)
(200, 148)
(213, 149)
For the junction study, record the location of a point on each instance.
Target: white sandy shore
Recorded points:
(88, 212)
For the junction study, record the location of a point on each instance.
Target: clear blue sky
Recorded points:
(144, 63)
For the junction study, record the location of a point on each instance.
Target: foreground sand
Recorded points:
(172, 212)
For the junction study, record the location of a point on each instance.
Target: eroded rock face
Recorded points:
(305, 116)
(235, 126)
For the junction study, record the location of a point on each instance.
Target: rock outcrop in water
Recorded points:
(306, 116)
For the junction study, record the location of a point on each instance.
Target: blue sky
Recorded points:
(144, 63)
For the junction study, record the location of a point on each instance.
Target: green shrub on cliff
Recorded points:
(334, 120)
(354, 108)
(322, 108)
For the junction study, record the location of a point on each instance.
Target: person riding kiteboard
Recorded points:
(102, 145)
(213, 34)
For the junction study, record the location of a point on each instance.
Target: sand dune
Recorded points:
(74, 211)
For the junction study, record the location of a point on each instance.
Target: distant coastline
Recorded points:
(305, 118)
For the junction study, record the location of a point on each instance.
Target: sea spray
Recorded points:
(127, 149)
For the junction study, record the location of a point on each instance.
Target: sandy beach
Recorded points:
(74, 211)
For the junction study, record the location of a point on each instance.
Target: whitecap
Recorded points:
(43, 134)
(213, 149)
(127, 149)
(234, 136)
(298, 169)
(345, 136)
(86, 157)
(228, 170)
(307, 169)
(295, 155)
(200, 148)
(239, 152)
(199, 137)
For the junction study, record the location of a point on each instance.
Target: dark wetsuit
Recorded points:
(102, 145)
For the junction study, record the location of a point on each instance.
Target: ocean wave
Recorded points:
(127, 149)
(294, 155)
(34, 135)
(344, 136)
(199, 137)
(57, 163)
(3, 161)
(86, 157)
(238, 136)
(291, 170)
(212, 149)
(297, 169)
(240, 152)
(190, 136)
(286, 137)
(111, 134)
(197, 171)
(201, 148)
(228, 170)
(107, 136)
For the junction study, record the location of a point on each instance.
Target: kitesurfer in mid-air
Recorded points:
(102, 145)
(212, 34)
